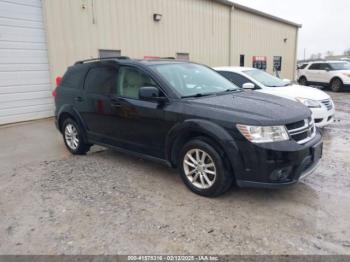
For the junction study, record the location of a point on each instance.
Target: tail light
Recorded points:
(58, 82)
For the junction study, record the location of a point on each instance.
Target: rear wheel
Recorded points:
(336, 85)
(73, 138)
(203, 170)
(303, 81)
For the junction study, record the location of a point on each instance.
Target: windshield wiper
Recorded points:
(231, 90)
(199, 95)
(210, 94)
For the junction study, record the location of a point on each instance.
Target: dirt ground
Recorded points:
(108, 203)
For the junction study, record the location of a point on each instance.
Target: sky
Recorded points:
(326, 23)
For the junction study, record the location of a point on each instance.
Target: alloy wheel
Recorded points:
(302, 81)
(336, 85)
(199, 168)
(71, 136)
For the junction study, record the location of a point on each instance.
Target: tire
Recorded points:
(204, 174)
(73, 138)
(336, 85)
(303, 81)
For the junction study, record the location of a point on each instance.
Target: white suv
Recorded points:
(319, 102)
(335, 74)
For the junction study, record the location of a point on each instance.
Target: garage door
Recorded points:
(25, 91)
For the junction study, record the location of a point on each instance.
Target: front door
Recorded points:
(325, 75)
(138, 125)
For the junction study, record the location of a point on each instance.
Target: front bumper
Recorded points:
(322, 116)
(278, 165)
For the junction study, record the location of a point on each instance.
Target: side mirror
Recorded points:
(327, 69)
(151, 93)
(248, 86)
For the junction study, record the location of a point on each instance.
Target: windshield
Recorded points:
(340, 66)
(265, 78)
(194, 80)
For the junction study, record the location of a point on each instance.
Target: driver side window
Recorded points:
(325, 67)
(130, 80)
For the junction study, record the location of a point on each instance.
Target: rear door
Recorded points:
(95, 105)
(313, 72)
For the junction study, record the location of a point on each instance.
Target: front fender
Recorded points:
(204, 128)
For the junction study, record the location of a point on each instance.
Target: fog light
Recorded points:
(280, 175)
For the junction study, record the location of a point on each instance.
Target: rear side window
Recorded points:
(315, 66)
(302, 66)
(74, 77)
(101, 80)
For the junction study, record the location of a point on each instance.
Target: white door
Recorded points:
(25, 91)
(325, 74)
(313, 72)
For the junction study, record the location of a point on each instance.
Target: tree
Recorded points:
(316, 56)
(329, 53)
(347, 52)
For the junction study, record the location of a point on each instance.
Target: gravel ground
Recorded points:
(110, 203)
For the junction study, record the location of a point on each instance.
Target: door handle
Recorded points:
(79, 99)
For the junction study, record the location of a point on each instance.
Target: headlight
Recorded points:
(263, 134)
(308, 102)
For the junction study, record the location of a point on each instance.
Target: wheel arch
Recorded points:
(212, 133)
(302, 76)
(336, 77)
(68, 111)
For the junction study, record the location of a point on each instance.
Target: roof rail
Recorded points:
(100, 59)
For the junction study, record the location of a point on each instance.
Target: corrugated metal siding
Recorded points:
(25, 91)
(258, 36)
(77, 29)
(197, 27)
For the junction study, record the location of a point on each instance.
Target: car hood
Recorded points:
(294, 91)
(251, 108)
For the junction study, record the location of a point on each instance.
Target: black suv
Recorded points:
(190, 117)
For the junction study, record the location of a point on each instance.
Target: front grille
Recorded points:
(328, 104)
(302, 133)
(295, 125)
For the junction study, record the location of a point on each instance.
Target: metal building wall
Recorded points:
(255, 35)
(78, 28)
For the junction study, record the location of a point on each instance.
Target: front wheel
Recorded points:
(336, 85)
(203, 170)
(73, 138)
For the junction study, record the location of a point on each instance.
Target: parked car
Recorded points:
(319, 102)
(190, 117)
(333, 74)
